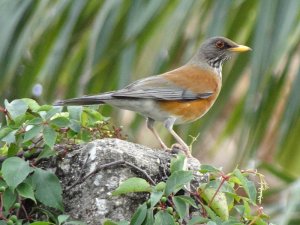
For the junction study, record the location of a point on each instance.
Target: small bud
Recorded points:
(163, 199)
(17, 205)
(2, 189)
(14, 218)
(170, 210)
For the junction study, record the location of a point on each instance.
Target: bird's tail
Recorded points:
(85, 100)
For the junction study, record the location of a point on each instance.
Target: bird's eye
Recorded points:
(220, 44)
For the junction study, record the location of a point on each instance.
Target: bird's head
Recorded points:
(217, 50)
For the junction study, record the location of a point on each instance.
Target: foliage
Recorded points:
(32, 133)
(58, 49)
(219, 201)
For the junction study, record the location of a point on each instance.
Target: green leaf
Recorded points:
(212, 214)
(247, 209)
(90, 116)
(211, 223)
(232, 222)
(9, 198)
(22, 119)
(16, 107)
(133, 184)
(14, 171)
(155, 197)
(52, 112)
(187, 199)
(41, 223)
(217, 201)
(197, 220)
(49, 136)
(85, 135)
(75, 125)
(48, 190)
(62, 218)
(177, 163)
(260, 221)
(32, 133)
(3, 150)
(44, 108)
(74, 223)
(149, 218)
(227, 188)
(252, 191)
(111, 222)
(139, 215)
(5, 131)
(8, 135)
(248, 185)
(2, 183)
(12, 150)
(60, 121)
(180, 206)
(46, 153)
(177, 180)
(163, 218)
(32, 104)
(35, 121)
(75, 112)
(25, 190)
(240, 209)
(160, 186)
(209, 169)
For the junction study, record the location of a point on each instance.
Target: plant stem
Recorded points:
(224, 178)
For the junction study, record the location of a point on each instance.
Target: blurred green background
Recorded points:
(52, 49)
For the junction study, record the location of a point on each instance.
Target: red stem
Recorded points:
(6, 113)
(224, 178)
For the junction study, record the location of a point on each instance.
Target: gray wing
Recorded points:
(158, 88)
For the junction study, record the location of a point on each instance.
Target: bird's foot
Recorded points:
(177, 148)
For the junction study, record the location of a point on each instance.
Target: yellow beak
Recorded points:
(240, 48)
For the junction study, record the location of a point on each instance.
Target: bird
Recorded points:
(178, 96)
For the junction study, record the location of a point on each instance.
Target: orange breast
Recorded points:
(198, 81)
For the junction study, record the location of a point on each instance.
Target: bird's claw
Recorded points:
(177, 148)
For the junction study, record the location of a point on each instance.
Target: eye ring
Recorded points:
(220, 44)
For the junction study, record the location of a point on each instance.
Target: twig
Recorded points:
(260, 212)
(101, 167)
(6, 113)
(25, 212)
(84, 166)
(38, 141)
(198, 198)
(82, 179)
(224, 178)
(140, 170)
(19, 209)
(1, 206)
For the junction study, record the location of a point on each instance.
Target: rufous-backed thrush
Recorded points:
(175, 97)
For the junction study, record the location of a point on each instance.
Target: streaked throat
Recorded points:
(217, 63)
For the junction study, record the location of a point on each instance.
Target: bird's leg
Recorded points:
(169, 125)
(150, 123)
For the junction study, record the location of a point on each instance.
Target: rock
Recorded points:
(92, 201)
